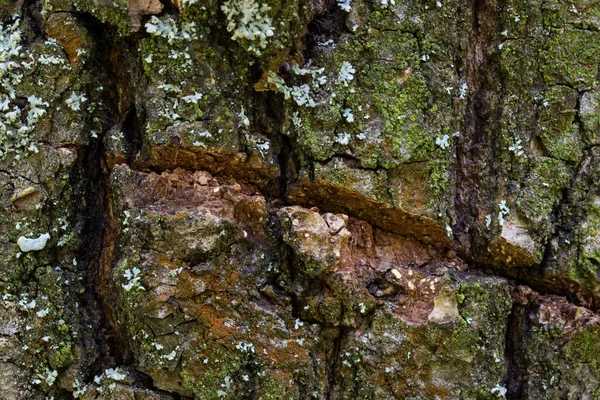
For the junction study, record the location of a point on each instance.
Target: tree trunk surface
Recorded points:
(299, 199)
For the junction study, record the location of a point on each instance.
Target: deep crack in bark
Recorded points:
(476, 186)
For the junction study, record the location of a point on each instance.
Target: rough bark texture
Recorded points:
(300, 199)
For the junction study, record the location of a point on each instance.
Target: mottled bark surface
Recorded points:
(351, 199)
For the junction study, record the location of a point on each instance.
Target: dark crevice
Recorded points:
(292, 273)
(532, 277)
(132, 131)
(97, 234)
(100, 335)
(253, 382)
(516, 370)
(335, 363)
(287, 172)
(117, 71)
(268, 116)
(476, 176)
(32, 14)
(169, 7)
(329, 23)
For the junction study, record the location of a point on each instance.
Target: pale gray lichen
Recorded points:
(301, 94)
(250, 23)
(504, 212)
(167, 28)
(345, 5)
(499, 391)
(443, 141)
(346, 73)
(35, 244)
(133, 279)
(75, 100)
(15, 127)
(517, 148)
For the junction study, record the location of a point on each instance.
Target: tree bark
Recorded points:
(330, 199)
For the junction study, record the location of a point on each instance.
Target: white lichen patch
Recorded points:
(114, 374)
(167, 28)
(49, 377)
(499, 391)
(387, 3)
(79, 389)
(463, 91)
(517, 148)
(348, 115)
(250, 23)
(243, 117)
(345, 5)
(298, 324)
(33, 244)
(16, 121)
(300, 94)
(504, 212)
(42, 313)
(27, 305)
(133, 279)
(442, 142)
(75, 101)
(343, 138)
(193, 98)
(346, 73)
(263, 147)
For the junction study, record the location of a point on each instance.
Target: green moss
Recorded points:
(270, 388)
(570, 57)
(201, 13)
(323, 118)
(114, 13)
(62, 356)
(588, 261)
(223, 364)
(440, 185)
(159, 63)
(584, 348)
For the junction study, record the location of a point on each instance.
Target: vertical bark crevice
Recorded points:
(476, 170)
(268, 120)
(327, 24)
(132, 126)
(97, 241)
(335, 361)
(516, 368)
(31, 10)
(286, 168)
(115, 71)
